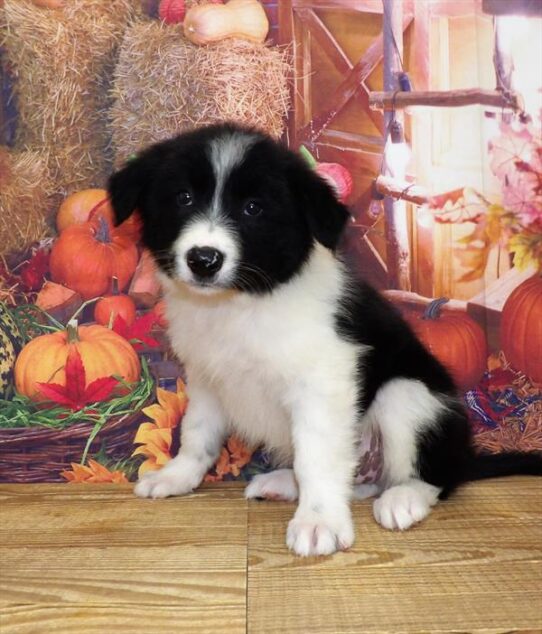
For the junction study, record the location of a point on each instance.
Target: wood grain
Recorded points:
(475, 565)
(91, 558)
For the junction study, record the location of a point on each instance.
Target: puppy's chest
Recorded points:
(250, 359)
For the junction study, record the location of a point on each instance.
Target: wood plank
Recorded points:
(475, 565)
(78, 555)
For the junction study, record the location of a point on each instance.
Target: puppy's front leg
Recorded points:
(202, 434)
(324, 462)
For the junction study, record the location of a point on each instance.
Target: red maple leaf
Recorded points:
(138, 333)
(33, 272)
(76, 394)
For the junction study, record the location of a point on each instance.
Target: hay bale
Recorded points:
(25, 198)
(164, 85)
(63, 59)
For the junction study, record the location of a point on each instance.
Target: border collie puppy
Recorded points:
(283, 346)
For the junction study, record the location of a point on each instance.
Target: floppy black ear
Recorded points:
(125, 188)
(326, 216)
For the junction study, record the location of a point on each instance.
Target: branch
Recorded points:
(400, 190)
(444, 99)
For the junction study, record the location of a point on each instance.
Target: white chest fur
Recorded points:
(257, 352)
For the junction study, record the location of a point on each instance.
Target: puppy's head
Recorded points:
(225, 207)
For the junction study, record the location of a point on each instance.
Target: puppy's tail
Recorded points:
(504, 464)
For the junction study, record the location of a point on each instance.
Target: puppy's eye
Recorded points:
(184, 199)
(252, 209)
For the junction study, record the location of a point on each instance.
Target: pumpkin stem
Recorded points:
(309, 158)
(102, 232)
(115, 285)
(71, 329)
(433, 310)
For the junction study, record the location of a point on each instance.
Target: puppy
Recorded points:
(283, 346)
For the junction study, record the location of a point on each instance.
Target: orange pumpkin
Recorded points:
(86, 257)
(521, 328)
(107, 308)
(103, 352)
(76, 208)
(89, 204)
(455, 339)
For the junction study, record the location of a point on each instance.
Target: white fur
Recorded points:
(405, 504)
(206, 232)
(227, 152)
(277, 485)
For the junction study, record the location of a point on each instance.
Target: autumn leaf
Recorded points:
(94, 472)
(527, 249)
(32, 274)
(458, 205)
(75, 394)
(138, 333)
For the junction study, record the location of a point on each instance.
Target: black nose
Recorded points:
(204, 261)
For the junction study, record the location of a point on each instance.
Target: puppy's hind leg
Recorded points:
(202, 434)
(424, 442)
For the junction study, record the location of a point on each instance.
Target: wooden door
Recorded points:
(337, 48)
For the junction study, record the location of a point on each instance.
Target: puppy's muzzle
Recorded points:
(204, 262)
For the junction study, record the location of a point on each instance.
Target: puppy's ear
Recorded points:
(126, 187)
(326, 216)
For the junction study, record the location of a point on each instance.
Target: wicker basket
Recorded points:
(39, 454)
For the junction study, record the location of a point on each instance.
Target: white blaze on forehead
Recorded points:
(227, 152)
(206, 232)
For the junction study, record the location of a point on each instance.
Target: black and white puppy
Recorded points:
(284, 346)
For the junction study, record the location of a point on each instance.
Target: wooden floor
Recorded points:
(89, 558)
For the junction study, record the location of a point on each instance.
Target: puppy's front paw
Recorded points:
(312, 533)
(163, 483)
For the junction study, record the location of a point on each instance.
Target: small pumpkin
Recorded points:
(108, 307)
(521, 328)
(76, 208)
(86, 257)
(103, 353)
(161, 315)
(455, 339)
(243, 19)
(11, 342)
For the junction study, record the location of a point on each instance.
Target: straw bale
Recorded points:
(25, 199)
(63, 60)
(164, 85)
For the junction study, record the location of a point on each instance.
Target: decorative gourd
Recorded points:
(171, 11)
(103, 353)
(338, 177)
(335, 174)
(89, 204)
(11, 343)
(107, 308)
(521, 328)
(455, 339)
(243, 19)
(86, 257)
